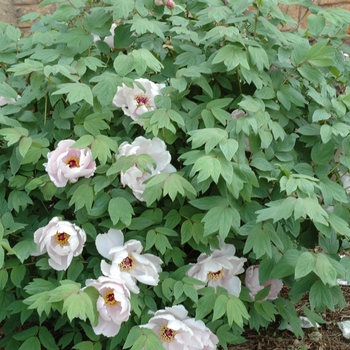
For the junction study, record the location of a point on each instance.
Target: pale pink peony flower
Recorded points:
(177, 331)
(127, 260)
(134, 102)
(134, 177)
(113, 305)
(252, 283)
(68, 164)
(109, 40)
(62, 241)
(219, 268)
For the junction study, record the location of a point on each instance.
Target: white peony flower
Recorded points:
(134, 102)
(219, 268)
(127, 260)
(62, 241)
(252, 283)
(109, 40)
(68, 164)
(113, 305)
(134, 177)
(177, 331)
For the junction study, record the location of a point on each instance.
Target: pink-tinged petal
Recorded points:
(61, 240)
(135, 101)
(253, 284)
(113, 305)
(105, 242)
(68, 164)
(177, 331)
(134, 177)
(219, 268)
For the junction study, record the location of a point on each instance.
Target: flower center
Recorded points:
(166, 334)
(109, 298)
(142, 100)
(215, 275)
(127, 264)
(62, 238)
(73, 162)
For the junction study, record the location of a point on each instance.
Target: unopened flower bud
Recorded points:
(159, 2)
(170, 4)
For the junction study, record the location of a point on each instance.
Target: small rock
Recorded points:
(345, 328)
(315, 336)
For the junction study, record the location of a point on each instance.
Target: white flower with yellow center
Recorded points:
(219, 268)
(127, 260)
(113, 305)
(135, 177)
(62, 241)
(177, 331)
(136, 101)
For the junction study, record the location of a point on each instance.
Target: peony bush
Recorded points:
(171, 173)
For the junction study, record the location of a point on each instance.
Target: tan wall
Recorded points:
(12, 10)
(300, 13)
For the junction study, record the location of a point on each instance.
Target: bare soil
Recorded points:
(327, 337)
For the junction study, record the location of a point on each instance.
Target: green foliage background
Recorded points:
(271, 201)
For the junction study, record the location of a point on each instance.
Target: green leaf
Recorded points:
(47, 340)
(143, 57)
(220, 306)
(190, 291)
(306, 263)
(83, 141)
(259, 240)
(339, 225)
(76, 92)
(18, 199)
(286, 265)
(321, 55)
(122, 8)
(84, 345)
(207, 166)
(83, 196)
(24, 248)
(220, 219)
(123, 64)
(106, 87)
(315, 24)
(31, 343)
(236, 311)
(325, 270)
(119, 209)
(7, 91)
(174, 184)
(205, 305)
(279, 209)
(320, 297)
(210, 137)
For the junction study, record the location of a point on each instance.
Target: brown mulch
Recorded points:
(327, 337)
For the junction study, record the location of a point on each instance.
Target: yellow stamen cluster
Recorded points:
(109, 298)
(73, 162)
(166, 334)
(62, 238)
(216, 275)
(142, 100)
(127, 264)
